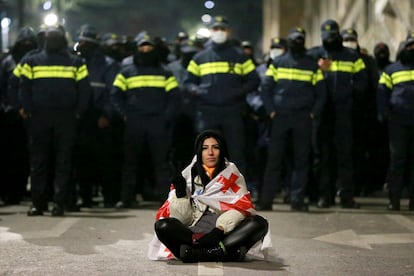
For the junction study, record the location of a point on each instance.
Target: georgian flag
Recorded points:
(227, 191)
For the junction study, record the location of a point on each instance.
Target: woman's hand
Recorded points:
(180, 185)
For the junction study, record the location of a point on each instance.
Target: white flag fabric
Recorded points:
(227, 191)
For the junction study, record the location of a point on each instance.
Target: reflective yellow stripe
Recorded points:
(120, 82)
(347, 66)
(82, 72)
(170, 84)
(220, 67)
(27, 71)
(396, 78)
(294, 74)
(145, 81)
(317, 77)
(385, 79)
(17, 72)
(193, 68)
(67, 72)
(402, 76)
(342, 66)
(248, 66)
(359, 65)
(271, 72)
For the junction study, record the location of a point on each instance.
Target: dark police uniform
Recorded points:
(54, 92)
(14, 160)
(99, 145)
(395, 101)
(219, 77)
(294, 90)
(144, 96)
(345, 79)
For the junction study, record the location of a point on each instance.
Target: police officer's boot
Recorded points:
(394, 204)
(189, 254)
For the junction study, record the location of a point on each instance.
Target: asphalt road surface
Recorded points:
(98, 241)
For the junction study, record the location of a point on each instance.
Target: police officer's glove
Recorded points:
(180, 185)
(211, 239)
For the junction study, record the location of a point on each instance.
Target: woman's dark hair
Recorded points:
(198, 148)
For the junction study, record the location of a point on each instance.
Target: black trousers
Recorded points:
(402, 158)
(52, 135)
(14, 158)
(98, 158)
(143, 131)
(334, 149)
(297, 129)
(172, 233)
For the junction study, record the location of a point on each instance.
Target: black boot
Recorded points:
(34, 211)
(394, 204)
(299, 206)
(189, 254)
(235, 255)
(349, 203)
(57, 210)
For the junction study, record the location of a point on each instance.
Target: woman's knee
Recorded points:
(260, 224)
(164, 225)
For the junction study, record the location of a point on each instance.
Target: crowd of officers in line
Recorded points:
(119, 117)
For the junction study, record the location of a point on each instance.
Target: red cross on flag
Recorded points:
(227, 191)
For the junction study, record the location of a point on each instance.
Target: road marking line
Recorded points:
(404, 221)
(350, 238)
(5, 235)
(54, 232)
(210, 268)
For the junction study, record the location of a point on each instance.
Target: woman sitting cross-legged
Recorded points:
(209, 215)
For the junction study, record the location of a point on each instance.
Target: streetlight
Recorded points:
(5, 28)
(50, 19)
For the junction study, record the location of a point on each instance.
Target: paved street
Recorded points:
(369, 241)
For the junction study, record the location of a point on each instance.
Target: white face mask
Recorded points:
(275, 52)
(350, 44)
(219, 36)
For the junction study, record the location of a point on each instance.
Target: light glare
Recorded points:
(47, 5)
(51, 19)
(5, 22)
(206, 18)
(209, 4)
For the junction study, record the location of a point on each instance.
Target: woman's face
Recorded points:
(211, 152)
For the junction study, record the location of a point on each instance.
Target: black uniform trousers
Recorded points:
(401, 137)
(335, 152)
(14, 158)
(230, 121)
(52, 134)
(295, 128)
(98, 158)
(140, 131)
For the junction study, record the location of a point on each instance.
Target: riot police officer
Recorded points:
(143, 94)
(345, 76)
(293, 93)
(396, 106)
(218, 79)
(99, 141)
(54, 92)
